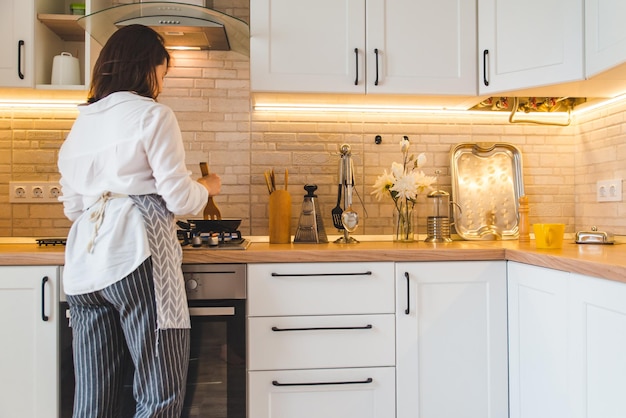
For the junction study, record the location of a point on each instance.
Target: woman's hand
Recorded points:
(211, 182)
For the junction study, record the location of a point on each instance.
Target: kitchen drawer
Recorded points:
(309, 342)
(337, 393)
(320, 288)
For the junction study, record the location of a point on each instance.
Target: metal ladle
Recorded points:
(349, 218)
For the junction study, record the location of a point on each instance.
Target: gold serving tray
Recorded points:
(487, 183)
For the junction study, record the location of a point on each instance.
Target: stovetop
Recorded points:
(239, 244)
(212, 240)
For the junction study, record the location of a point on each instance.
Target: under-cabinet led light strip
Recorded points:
(278, 107)
(39, 104)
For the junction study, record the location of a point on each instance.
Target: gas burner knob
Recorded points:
(191, 284)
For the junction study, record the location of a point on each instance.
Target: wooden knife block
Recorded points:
(280, 217)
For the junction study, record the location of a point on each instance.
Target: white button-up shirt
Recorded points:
(125, 144)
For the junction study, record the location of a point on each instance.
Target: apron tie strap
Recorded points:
(97, 216)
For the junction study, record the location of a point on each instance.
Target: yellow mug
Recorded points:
(549, 235)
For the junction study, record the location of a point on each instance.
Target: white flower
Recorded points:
(404, 181)
(421, 160)
(404, 144)
(383, 184)
(397, 170)
(406, 187)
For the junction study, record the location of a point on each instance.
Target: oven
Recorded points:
(216, 381)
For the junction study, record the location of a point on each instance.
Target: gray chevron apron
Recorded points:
(167, 256)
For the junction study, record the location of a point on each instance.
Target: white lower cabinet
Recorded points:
(28, 353)
(567, 334)
(597, 344)
(538, 346)
(451, 339)
(321, 340)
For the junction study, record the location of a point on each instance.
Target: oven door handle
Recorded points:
(212, 311)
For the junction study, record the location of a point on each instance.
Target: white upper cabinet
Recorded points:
(16, 43)
(424, 47)
(358, 46)
(605, 34)
(303, 45)
(529, 43)
(33, 32)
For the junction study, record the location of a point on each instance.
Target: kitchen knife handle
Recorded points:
(204, 169)
(20, 46)
(356, 56)
(408, 294)
(485, 55)
(44, 317)
(376, 53)
(342, 382)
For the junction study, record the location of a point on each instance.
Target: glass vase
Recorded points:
(404, 222)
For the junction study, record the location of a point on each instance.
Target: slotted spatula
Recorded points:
(210, 210)
(337, 211)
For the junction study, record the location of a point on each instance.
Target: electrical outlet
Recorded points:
(34, 191)
(609, 190)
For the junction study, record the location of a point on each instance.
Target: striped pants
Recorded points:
(121, 319)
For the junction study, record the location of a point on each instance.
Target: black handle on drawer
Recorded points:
(44, 317)
(485, 54)
(20, 46)
(356, 55)
(276, 329)
(376, 52)
(345, 382)
(366, 273)
(408, 293)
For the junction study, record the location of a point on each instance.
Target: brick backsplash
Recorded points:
(209, 91)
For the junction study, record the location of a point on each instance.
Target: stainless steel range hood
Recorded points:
(184, 26)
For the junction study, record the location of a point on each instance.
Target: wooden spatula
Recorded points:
(210, 210)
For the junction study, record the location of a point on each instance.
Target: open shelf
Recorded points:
(64, 25)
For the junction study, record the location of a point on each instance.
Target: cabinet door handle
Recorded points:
(276, 329)
(20, 46)
(376, 53)
(44, 317)
(408, 293)
(485, 55)
(366, 273)
(343, 382)
(356, 56)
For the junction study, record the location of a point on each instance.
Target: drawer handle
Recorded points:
(276, 329)
(346, 382)
(367, 273)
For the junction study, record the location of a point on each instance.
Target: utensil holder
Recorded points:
(280, 217)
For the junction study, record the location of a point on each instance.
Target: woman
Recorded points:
(123, 178)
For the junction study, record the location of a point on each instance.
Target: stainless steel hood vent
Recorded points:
(184, 26)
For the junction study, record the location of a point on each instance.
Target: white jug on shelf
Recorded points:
(65, 70)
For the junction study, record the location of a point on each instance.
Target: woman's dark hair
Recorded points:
(128, 62)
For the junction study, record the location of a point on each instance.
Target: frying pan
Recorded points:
(211, 225)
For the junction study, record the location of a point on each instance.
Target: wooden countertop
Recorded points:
(603, 261)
